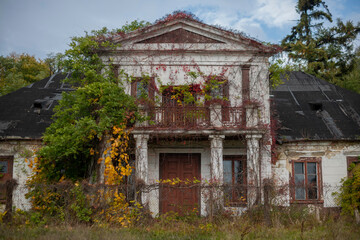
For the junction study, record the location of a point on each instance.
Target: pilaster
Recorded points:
(141, 164)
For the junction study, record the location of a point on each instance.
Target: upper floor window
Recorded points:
(217, 92)
(306, 179)
(181, 95)
(143, 88)
(217, 88)
(115, 69)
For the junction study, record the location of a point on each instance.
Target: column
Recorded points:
(216, 161)
(253, 169)
(141, 165)
(215, 201)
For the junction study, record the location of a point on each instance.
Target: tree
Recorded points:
(351, 80)
(19, 70)
(98, 108)
(128, 27)
(325, 52)
(53, 61)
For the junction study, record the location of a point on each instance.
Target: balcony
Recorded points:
(199, 118)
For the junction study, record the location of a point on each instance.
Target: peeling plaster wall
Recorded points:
(169, 73)
(333, 164)
(20, 150)
(204, 149)
(171, 62)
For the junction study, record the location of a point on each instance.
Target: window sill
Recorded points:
(307, 202)
(236, 204)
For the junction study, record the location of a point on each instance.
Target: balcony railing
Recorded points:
(193, 117)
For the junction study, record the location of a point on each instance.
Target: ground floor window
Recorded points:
(234, 180)
(6, 170)
(353, 164)
(306, 179)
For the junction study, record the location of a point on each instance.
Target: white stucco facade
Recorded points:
(22, 151)
(243, 63)
(333, 157)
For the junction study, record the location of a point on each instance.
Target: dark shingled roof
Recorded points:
(26, 113)
(309, 108)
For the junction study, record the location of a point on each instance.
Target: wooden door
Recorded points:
(6, 173)
(179, 198)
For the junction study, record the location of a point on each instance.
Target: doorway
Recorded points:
(182, 197)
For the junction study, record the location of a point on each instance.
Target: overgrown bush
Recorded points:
(349, 196)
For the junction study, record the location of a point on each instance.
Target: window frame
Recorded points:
(350, 160)
(307, 160)
(6, 176)
(243, 160)
(115, 70)
(224, 100)
(150, 87)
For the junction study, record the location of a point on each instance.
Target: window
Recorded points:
(143, 88)
(353, 163)
(3, 166)
(115, 69)
(219, 91)
(6, 169)
(234, 180)
(306, 180)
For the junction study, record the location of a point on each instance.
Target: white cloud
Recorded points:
(41, 25)
(275, 13)
(251, 27)
(250, 17)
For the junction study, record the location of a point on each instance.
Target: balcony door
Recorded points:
(180, 111)
(181, 197)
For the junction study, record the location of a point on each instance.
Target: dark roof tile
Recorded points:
(309, 108)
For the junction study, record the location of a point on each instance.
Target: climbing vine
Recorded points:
(116, 162)
(349, 196)
(90, 128)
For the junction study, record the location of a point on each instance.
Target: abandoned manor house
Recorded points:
(302, 135)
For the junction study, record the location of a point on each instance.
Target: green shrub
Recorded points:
(349, 196)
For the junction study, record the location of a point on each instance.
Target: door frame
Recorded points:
(6, 176)
(160, 154)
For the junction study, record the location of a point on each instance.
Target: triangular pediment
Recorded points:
(185, 32)
(180, 36)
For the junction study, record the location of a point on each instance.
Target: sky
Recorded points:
(40, 27)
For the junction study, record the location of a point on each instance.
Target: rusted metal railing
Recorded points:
(184, 117)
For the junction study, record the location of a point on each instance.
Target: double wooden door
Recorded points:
(180, 197)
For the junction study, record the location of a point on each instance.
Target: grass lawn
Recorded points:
(331, 229)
